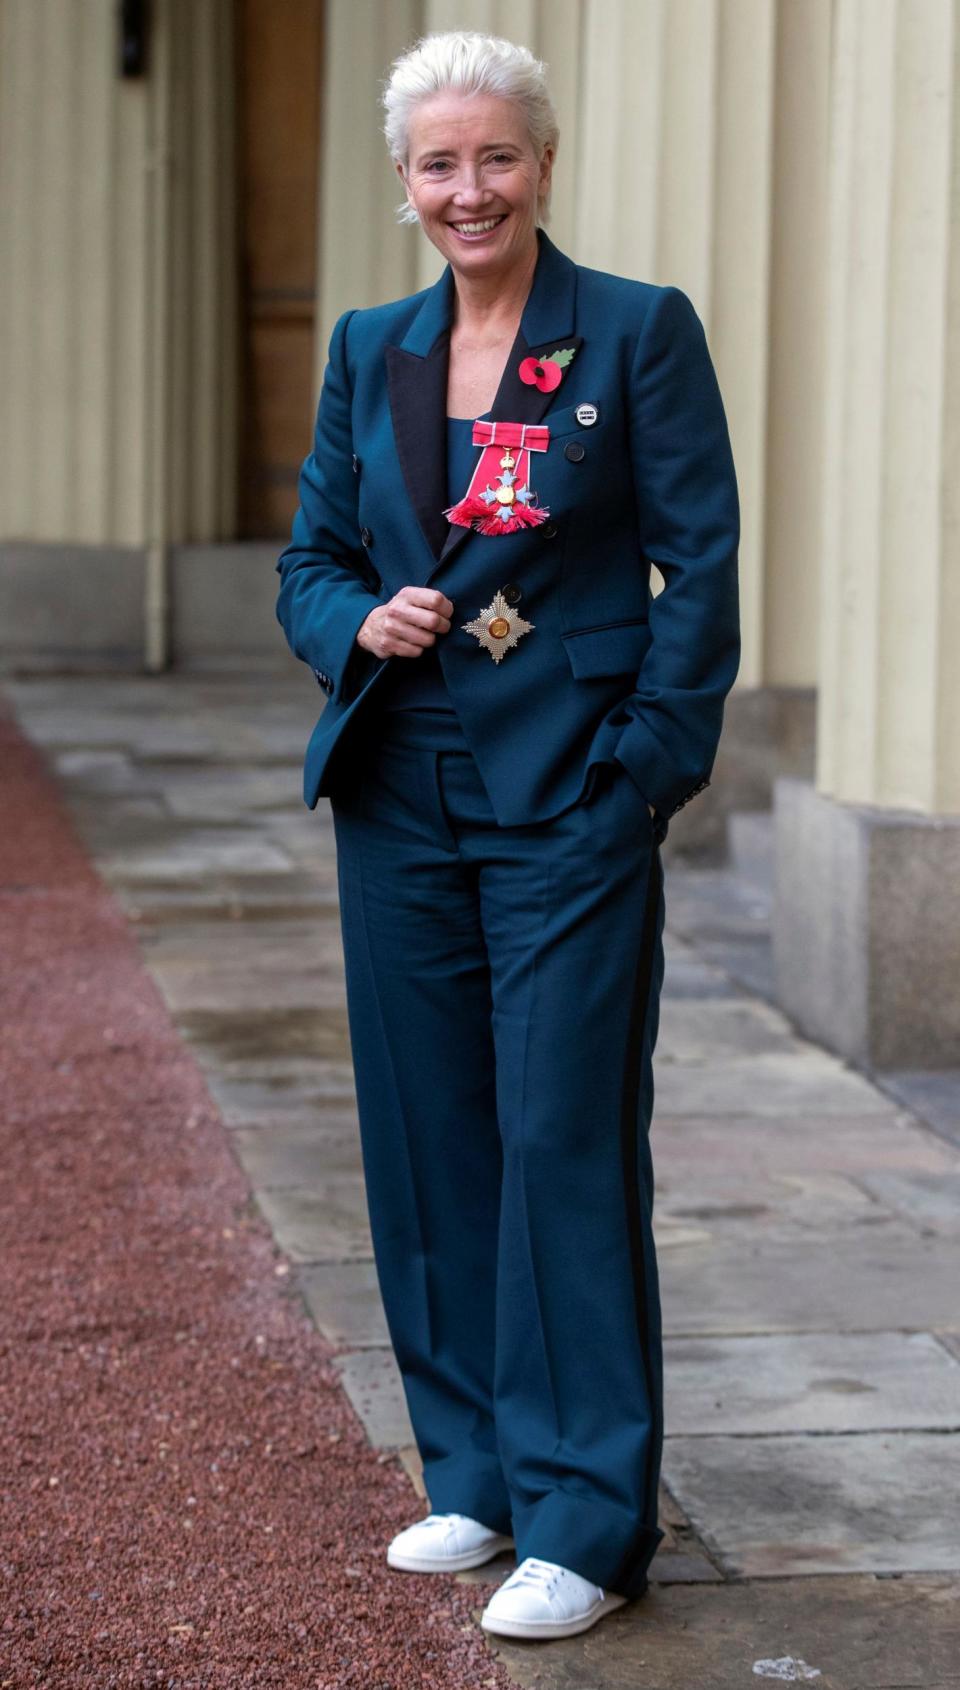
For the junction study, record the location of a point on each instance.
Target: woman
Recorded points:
(512, 719)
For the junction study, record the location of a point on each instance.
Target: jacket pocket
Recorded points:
(610, 648)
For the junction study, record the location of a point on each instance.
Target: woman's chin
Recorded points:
(479, 254)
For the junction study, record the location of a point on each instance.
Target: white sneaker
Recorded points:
(445, 1543)
(542, 1599)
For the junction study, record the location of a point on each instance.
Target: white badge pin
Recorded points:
(586, 415)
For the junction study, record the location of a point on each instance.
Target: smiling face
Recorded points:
(472, 163)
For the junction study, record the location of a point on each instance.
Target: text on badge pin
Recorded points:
(586, 415)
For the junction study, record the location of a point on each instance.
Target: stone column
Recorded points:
(365, 256)
(117, 275)
(867, 921)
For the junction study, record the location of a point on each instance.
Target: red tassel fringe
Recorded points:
(475, 513)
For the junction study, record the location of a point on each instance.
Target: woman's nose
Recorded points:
(470, 188)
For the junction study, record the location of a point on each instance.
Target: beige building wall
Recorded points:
(117, 286)
(889, 677)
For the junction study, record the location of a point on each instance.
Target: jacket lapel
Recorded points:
(417, 385)
(417, 373)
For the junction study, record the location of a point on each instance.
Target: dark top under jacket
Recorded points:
(417, 683)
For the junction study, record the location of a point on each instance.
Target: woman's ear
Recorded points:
(398, 163)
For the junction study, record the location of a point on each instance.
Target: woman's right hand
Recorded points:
(407, 623)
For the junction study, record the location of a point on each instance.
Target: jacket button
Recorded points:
(511, 592)
(548, 530)
(574, 451)
(356, 464)
(366, 536)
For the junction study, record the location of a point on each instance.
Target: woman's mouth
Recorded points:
(477, 229)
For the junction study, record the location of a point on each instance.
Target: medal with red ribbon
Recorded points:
(499, 499)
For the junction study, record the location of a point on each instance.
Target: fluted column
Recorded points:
(117, 286)
(792, 536)
(675, 151)
(889, 681)
(72, 299)
(867, 917)
(365, 257)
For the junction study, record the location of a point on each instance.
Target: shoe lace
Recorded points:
(540, 1574)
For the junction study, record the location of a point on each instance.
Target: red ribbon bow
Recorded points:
(533, 437)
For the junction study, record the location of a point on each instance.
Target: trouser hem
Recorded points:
(595, 1539)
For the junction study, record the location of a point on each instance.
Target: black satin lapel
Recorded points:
(418, 406)
(515, 401)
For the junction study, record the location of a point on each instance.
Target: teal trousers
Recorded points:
(503, 992)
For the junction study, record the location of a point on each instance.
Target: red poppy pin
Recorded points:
(546, 373)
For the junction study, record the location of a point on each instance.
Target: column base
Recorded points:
(866, 928)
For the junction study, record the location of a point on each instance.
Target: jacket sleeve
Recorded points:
(324, 572)
(689, 516)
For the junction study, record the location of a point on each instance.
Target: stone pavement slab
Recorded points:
(205, 965)
(286, 1097)
(251, 1034)
(328, 1083)
(724, 1201)
(344, 1299)
(692, 1146)
(301, 1154)
(882, 1278)
(689, 978)
(853, 1633)
(372, 1381)
(775, 1507)
(327, 1222)
(811, 1382)
(805, 1082)
(203, 853)
(931, 1200)
(706, 1029)
(727, 918)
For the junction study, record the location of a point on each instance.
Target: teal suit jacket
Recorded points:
(610, 671)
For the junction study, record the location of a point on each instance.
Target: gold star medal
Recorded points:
(498, 627)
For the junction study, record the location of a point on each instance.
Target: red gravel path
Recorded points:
(188, 1499)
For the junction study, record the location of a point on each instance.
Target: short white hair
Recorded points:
(468, 62)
